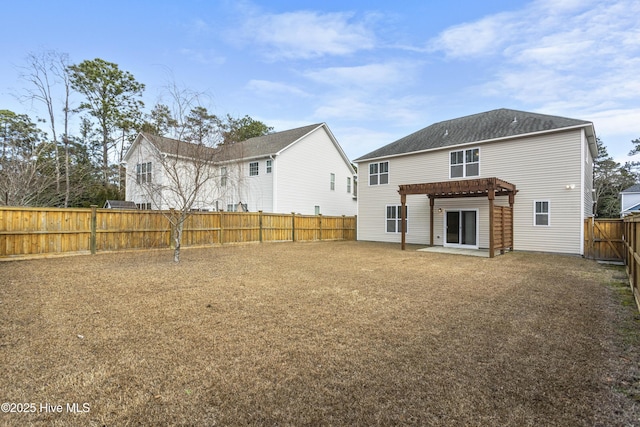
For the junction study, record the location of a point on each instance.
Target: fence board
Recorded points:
(630, 252)
(604, 239)
(39, 231)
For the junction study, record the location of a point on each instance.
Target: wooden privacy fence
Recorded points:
(39, 231)
(631, 234)
(603, 239)
(502, 228)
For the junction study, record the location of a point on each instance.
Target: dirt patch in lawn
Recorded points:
(344, 333)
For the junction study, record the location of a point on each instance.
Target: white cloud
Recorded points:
(307, 34)
(265, 87)
(364, 75)
(482, 37)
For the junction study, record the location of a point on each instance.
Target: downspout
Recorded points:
(274, 184)
(583, 158)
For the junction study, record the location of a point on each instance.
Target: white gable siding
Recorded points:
(540, 166)
(257, 191)
(629, 200)
(303, 178)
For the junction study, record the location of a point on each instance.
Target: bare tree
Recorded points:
(175, 174)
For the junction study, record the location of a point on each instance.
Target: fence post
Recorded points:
(343, 227)
(221, 238)
(94, 227)
(260, 224)
(293, 226)
(320, 225)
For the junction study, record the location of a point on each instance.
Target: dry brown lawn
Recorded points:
(331, 333)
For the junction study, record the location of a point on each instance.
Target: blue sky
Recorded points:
(374, 71)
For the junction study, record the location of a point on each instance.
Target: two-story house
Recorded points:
(447, 179)
(302, 170)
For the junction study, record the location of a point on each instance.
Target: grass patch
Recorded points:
(345, 333)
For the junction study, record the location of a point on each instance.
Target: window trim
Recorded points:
(143, 177)
(349, 184)
(547, 213)
(378, 174)
(396, 220)
(223, 176)
(251, 168)
(269, 165)
(332, 181)
(464, 163)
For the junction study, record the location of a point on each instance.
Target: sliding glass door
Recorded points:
(461, 228)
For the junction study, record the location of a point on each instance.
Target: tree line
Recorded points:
(46, 162)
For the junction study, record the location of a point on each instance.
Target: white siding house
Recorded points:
(630, 200)
(548, 159)
(301, 170)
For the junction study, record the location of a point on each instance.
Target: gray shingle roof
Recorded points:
(273, 142)
(501, 123)
(179, 148)
(260, 146)
(633, 189)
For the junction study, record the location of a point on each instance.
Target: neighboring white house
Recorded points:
(630, 200)
(544, 162)
(301, 170)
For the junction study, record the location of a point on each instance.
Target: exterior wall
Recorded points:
(541, 167)
(629, 200)
(159, 192)
(257, 191)
(302, 172)
(141, 194)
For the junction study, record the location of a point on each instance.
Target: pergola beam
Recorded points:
(480, 187)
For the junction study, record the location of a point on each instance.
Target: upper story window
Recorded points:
(223, 176)
(143, 173)
(348, 184)
(269, 165)
(378, 173)
(253, 169)
(332, 182)
(464, 163)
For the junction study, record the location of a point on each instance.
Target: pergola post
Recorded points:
(403, 215)
(512, 199)
(431, 203)
(491, 195)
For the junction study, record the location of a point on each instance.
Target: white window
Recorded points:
(541, 213)
(253, 169)
(332, 181)
(464, 163)
(349, 185)
(393, 218)
(223, 177)
(143, 173)
(317, 210)
(269, 165)
(378, 173)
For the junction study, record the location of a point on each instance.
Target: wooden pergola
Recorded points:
(481, 187)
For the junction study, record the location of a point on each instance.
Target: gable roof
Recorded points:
(633, 189)
(273, 143)
(261, 146)
(491, 125)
